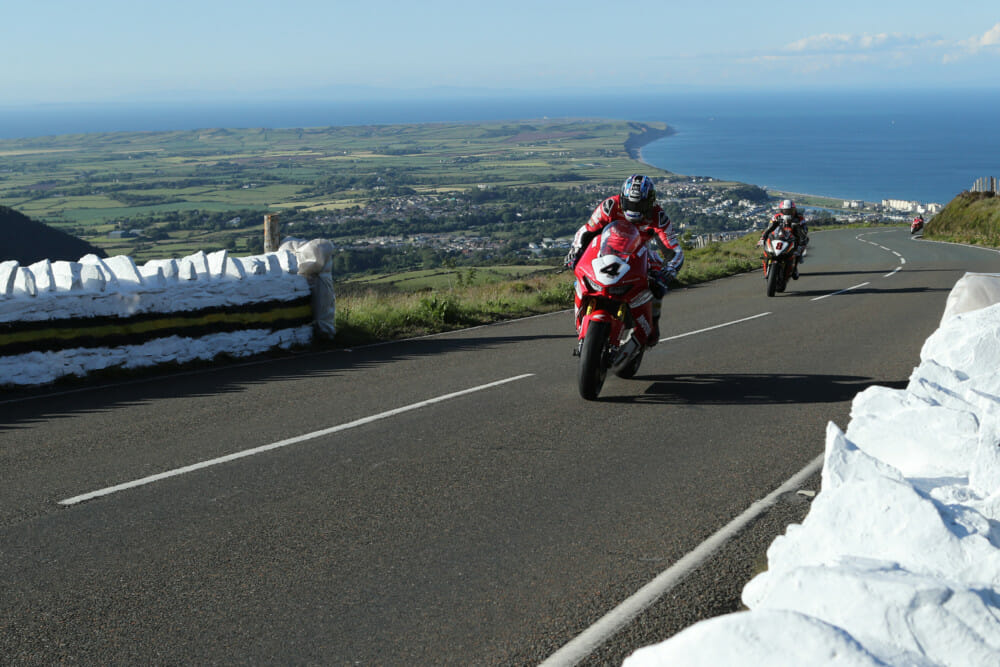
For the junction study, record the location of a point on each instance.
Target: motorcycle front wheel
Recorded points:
(774, 277)
(786, 273)
(592, 369)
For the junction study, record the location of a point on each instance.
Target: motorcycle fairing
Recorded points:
(609, 269)
(618, 243)
(778, 246)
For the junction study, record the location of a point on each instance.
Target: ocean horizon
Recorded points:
(868, 145)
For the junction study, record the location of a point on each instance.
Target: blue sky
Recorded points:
(61, 51)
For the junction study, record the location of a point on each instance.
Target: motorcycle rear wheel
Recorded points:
(631, 368)
(592, 368)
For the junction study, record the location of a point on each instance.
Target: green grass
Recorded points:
(971, 217)
(419, 303)
(445, 278)
(370, 316)
(719, 260)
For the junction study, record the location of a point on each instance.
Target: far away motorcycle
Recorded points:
(612, 275)
(779, 258)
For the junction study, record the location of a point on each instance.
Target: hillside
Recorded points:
(27, 241)
(971, 217)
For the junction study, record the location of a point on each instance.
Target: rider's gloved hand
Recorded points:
(571, 256)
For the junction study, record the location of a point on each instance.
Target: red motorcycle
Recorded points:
(916, 225)
(611, 276)
(779, 258)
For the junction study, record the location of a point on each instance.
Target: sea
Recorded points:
(924, 146)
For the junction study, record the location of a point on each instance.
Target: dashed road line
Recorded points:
(282, 443)
(902, 261)
(825, 296)
(717, 326)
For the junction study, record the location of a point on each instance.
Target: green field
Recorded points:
(93, 184)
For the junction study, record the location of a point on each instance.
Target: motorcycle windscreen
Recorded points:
(621, 238)
(782, 233)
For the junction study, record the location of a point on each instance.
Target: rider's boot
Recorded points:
(654, 335)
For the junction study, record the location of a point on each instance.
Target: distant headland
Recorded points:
(645, 134)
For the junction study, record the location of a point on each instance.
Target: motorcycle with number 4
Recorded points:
(779, 258)
(611, 278)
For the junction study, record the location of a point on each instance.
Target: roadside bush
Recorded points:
(437, 309)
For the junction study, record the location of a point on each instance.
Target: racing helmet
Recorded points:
(787, 207)
(637, 197)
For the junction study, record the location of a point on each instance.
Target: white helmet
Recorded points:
(787, 207)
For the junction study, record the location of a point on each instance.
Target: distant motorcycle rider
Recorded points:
(788, 214)
(636, 203)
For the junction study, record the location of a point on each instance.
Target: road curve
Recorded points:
(446, 500)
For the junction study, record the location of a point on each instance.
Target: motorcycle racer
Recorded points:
(789, 214)
(636, 203)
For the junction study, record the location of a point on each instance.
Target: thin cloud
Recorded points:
(990, 38)
(827, 43)
(829, 52)
(988, 42)
(845, 57)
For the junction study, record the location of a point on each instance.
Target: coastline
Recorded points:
(645, 136)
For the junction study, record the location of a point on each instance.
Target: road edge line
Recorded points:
(586, 642)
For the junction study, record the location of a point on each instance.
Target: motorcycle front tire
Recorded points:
(592, 369)
(774, 277)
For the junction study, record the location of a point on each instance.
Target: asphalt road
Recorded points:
(446, 500)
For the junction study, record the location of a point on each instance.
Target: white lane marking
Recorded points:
(879, 245)
(840, 292)
(283, 443)
(584, 644)
(893, 272)
(717, 326)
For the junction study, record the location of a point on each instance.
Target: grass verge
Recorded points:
(366, 314)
